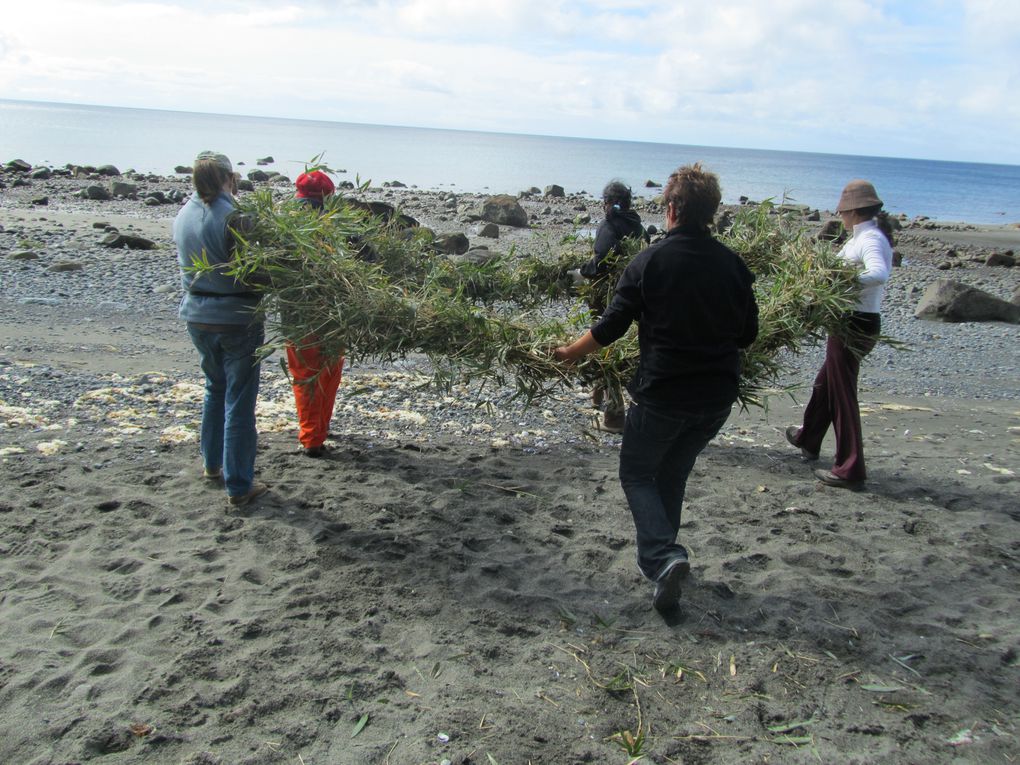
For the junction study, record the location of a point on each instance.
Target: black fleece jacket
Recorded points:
(695, 308)
(617, 226)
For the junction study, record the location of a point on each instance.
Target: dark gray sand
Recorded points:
(456, 583)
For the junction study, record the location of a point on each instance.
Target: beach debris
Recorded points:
(999, 470)
(360, 725)
(49, 448)
(961, 738)
(140, 729)
(443, 738)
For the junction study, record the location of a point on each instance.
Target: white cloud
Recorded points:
(857, 76)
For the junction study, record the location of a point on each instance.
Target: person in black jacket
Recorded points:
(621, 222)
(693, 300)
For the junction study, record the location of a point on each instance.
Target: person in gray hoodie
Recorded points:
(225, 325)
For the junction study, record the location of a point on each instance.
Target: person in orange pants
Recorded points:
(315, 384)
(314, 380)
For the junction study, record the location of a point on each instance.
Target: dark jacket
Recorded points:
(617, 226)
(695, 308)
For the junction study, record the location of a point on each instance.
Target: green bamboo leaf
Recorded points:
(360, 726)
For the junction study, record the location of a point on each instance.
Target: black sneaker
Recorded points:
(667, 587)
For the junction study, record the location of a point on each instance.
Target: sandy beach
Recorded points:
(455, 582)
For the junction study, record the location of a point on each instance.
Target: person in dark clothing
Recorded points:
(621, 222)
(693, 300)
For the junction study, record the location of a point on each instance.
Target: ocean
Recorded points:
(154, 141)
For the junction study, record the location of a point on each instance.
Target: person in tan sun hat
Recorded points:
(834, 395)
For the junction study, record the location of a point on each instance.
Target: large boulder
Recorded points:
(554, 190)
(18, 166)
(503, 209)
(108, 170)
(952, 301)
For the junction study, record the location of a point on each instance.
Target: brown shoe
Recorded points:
(831, 479)
(257, 490)
(791, 435)
(612, 422)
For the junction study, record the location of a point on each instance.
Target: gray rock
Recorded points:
(265, 161)
(64, 266)
(477, 255)
(452, 244)
(259, 176)
(832, 231)
(394, 185)
(650, 184)
(952, 301)
(582, 219)
(41, 174)
(107, 170)
(40, 301)
(245, 185)
(1000, 259)
(1015, 300)
(488, 230)
(115, 239)
(184, 169)
(503, 209)
(18, 165)
(24, 255)
(554, 190)
(165, 289)
(124, 189)
(41, 201)
(98, 193)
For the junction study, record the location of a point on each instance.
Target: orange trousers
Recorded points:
(315, 384)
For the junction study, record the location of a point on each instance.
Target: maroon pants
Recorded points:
(834, 398)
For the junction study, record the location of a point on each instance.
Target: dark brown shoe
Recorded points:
(831, 479)
(791, 436)
(257, 490)
(612, 422)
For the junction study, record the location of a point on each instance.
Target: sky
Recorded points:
(930, 79)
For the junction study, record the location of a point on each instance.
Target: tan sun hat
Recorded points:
(857, 194)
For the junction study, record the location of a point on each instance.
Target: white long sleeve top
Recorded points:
(869, 250)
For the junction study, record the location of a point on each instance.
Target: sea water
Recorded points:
(153, 141)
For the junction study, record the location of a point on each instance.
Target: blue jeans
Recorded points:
(658, 453)
(228, 413)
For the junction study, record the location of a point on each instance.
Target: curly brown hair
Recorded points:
(694, 193)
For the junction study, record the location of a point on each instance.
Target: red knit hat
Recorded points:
(314, 185)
